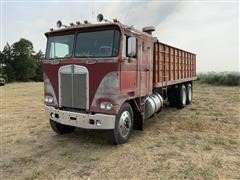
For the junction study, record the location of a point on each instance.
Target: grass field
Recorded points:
(201, 141)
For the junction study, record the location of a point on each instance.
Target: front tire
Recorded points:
(61, 128)
(123, 125)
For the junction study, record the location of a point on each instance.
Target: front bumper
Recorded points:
(82, 120)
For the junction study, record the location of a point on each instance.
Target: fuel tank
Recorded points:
(152, 104)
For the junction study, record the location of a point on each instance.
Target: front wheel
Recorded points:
(61, 128)
(123, 125)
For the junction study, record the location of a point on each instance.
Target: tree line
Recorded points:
(19, 62)
(220, 78)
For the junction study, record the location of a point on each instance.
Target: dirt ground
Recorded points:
(201, 141)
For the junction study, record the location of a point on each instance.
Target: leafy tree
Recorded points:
(7, 63)
(24, 62)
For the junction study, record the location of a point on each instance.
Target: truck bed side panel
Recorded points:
(172, 65)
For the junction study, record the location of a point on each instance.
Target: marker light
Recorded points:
(98, 123)
(99, 17)
(59, 23)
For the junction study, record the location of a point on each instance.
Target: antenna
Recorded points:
(92, 12)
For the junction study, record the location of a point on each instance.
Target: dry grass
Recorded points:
(201, 141)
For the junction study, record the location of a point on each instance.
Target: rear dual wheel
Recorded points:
(181, 96)
(181, 100)
(189, 93)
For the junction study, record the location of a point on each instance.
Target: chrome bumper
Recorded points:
(86, 121)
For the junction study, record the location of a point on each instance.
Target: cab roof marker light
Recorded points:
(59, 24)
(115, 20)
(71, 24)
(100, 18)
(78, 22)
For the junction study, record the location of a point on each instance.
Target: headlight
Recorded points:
(48, 99)
(106, 106)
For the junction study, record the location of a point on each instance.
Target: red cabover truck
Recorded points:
(110, 76)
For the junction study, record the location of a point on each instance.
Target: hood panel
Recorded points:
(96, 71)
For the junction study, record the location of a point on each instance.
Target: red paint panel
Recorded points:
(128, 80)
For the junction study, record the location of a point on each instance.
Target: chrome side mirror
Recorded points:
(132, 47)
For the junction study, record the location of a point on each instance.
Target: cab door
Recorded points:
(128, 65)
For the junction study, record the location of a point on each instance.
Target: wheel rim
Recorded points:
(125, 123)
(190, 94)
(184, 96)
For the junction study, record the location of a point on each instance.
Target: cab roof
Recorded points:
(118, 25)
(81, 26)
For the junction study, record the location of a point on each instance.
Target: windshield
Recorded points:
(95, 44)
(103, 43)
(60, 46)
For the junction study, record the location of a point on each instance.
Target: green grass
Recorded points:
(217, 161)
(232, 141)
(217, 141)
(207, 147)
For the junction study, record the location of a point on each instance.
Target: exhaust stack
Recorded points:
(148, 29)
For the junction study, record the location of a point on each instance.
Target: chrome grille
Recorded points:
(79, 90)
(73, 87)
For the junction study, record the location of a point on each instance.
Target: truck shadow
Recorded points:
(101, 137)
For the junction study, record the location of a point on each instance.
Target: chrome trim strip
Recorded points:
(82, 119)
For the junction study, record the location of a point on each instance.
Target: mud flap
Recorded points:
(138, 121)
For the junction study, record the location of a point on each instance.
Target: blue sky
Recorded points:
(209, 29)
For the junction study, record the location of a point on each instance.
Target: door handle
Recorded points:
(147, 69)
(91, 62)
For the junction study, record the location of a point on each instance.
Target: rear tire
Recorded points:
(61, 128)
(181, 100)
(189, 94)
(123, 125)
